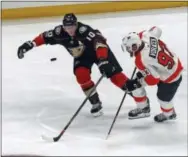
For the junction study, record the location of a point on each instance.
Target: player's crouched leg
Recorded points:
(165, 94)
(84, 79)
(168, 111)
(143, 105)
(139, 95)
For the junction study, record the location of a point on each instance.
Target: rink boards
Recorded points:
(86, 8)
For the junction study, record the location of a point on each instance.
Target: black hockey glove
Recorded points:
(24, 48)
(139, 75)
(105, 67)
(132, 85)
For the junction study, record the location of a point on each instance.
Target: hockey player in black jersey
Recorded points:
(87, 46)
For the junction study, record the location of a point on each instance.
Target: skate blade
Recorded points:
(145, 115)
(98, 114)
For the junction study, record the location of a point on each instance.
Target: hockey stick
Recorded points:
(124, 96)
(55, 139)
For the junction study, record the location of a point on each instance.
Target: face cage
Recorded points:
(132, 50)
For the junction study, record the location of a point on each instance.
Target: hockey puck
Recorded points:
(53, 59)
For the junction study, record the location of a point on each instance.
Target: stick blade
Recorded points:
(48, 139)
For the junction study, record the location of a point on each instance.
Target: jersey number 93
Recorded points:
(165, 57)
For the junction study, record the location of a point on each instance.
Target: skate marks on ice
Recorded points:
(126, 135)
(126, 132)
(146, 137)
(54, 117)
(75, 141)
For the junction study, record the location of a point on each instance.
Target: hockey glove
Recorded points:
(139, 75)
(105, 67)
(24, 48)
(132, 85)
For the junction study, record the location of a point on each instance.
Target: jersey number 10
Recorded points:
(165, 57)
(90, 36)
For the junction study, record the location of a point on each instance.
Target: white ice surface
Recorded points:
(40, 96)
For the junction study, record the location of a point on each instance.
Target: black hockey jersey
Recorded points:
(84, 43)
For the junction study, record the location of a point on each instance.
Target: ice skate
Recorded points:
(162, 117)
(140, 112)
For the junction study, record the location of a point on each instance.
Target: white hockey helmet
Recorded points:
(131, 43)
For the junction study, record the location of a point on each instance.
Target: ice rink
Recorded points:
(40, 96)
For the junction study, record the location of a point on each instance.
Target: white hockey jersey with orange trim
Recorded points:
(155, 61)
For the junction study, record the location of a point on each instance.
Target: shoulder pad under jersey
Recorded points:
(82, 28)
(58, 30)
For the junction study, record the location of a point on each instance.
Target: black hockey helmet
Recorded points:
(69, 19)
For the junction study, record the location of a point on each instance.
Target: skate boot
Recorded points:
(163, 117)
(140, 112)
(96, 109)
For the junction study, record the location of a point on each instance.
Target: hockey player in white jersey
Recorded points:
(157, 65)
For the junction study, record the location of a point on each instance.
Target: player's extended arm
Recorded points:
(44, 38)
